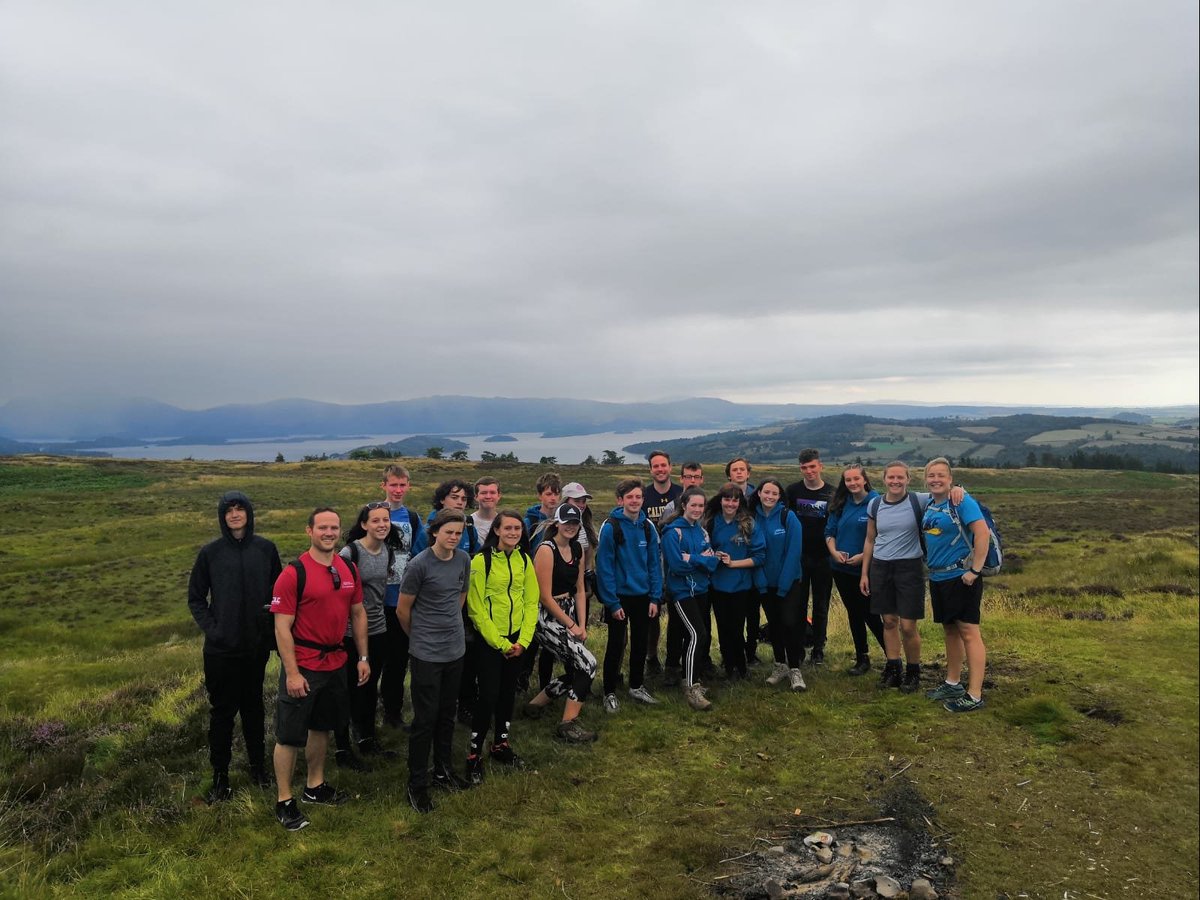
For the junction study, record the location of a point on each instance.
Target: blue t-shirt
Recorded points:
(944, 543)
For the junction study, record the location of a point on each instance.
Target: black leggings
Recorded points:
(858, 611)
(362, 697)
(730, 610)
(692, 615)
(785, 621)
(636, 621)
(497, 693)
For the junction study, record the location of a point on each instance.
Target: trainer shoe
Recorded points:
(965, 703)
(696, 699)
(778, 674)
(672, 675)
(347, 760)
(653, 666)
(220, 790)
(448, 780)
(324, 794)
(641, 695)
(289, 815)
(611, 703)
(890, 677)
(573, 733)
(503, 755)
(818, 656)
(946, 691)
(474, 770)
(418, 799)
(861, 666)
(911, 683)
(796, 679)
(372, 747)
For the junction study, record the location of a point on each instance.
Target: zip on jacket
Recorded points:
(504, 601)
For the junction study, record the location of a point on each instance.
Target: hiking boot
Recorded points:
(474, 770)
(259, 777)
(395, 720)
(946, 691)
(672, 675)
(796, 680)
(889, 678)
(372, 747)
(448, 780)
(534, 711)
(611, 703)
(861, 667)
(911, 683)
(289, 815)
(965, 703)
(641, 695)
(778, 674)
(503, 755)
(220, 790)
(653, 666)
(324, 794)
(818, 656)
(696, 699)
(573, 733)
(347, 760)
(418, 799)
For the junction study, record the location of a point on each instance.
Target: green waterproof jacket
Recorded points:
(503, 598)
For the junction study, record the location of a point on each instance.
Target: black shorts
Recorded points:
(953, 601)
(898, 587)
(326, 708)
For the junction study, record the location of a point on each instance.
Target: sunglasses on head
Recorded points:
(378, 504)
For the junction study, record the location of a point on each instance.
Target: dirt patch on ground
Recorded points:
(885, 856)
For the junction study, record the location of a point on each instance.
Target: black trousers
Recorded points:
(468, 685)
(692, 615)
(674, 637)
(817, 580)
(785, 621)
(433, 688)
(235, 688)
(858, 611)
(395, 665)
(753, 623)
(363, 698)
(730, 610)
(635, 623)
(497, 692)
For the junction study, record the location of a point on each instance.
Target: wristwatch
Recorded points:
(364, 659)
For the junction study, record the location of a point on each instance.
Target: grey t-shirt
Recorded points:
(373, 572)
(437, 623)
(897, 534)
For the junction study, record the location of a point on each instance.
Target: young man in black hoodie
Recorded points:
(229, 595)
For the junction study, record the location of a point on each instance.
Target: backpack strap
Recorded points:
(873, 506)
(919, 515)
(301, 581)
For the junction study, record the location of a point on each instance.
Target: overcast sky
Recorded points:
(816, 202)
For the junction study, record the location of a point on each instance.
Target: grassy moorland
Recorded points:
(1079, 779)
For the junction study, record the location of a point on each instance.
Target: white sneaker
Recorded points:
(797, 680)
(778, 674)
(611, 703)
(641, 695)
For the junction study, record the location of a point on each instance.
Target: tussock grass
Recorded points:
(102, 716)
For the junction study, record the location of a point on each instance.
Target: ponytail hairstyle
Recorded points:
(358, 530)
(842, 494)
(713, 510)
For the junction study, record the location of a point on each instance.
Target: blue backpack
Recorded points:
(995, 555)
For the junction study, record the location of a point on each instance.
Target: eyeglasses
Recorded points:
(337, 579)
(379, 504)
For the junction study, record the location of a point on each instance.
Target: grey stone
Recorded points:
(824, 854)
(887, 886)
(922, 890)
(778, 850)
(818, 839)
(840, 891)
(864, 854)
(862, 889)
(947, 861)
(844, 850)
(774, 890)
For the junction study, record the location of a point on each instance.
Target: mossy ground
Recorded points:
(1079, 777)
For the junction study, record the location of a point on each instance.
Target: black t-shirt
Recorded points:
(812, 509)
(654, 502)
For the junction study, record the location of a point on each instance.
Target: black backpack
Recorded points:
(619, 534)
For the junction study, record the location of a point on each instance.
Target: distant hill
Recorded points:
(1016, 440)
(417, 445)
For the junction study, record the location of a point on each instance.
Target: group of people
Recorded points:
(464, 602)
